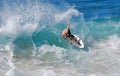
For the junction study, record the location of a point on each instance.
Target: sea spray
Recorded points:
(12, 67)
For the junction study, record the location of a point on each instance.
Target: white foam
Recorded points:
(13, 27)
(105, 53)
(112, 44)
(55, 49)
(66, 16)
(26, 18)
(10, 72)
(6, 58)
(102, 59)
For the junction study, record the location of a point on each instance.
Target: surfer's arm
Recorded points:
(68, 25)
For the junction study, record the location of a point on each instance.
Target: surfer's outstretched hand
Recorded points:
(68, 25)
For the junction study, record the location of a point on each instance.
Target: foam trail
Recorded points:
(11, 64)
(6, 55)
(57, 50)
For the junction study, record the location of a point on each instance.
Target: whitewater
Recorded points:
(31, 42)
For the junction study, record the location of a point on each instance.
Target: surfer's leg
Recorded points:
(71, 37)
(79, 43)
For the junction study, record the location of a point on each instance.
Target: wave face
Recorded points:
(31, 42)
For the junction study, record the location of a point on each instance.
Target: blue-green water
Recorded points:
(31, 42)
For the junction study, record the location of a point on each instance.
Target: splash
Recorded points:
(66, 16)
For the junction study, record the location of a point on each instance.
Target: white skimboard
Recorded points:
(80, 44)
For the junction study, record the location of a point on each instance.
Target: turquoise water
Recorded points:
(31, 42)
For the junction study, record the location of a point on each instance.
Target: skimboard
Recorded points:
(78, 44)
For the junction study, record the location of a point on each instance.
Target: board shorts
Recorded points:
(69, 33)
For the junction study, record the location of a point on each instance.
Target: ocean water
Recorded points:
(31, 42)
